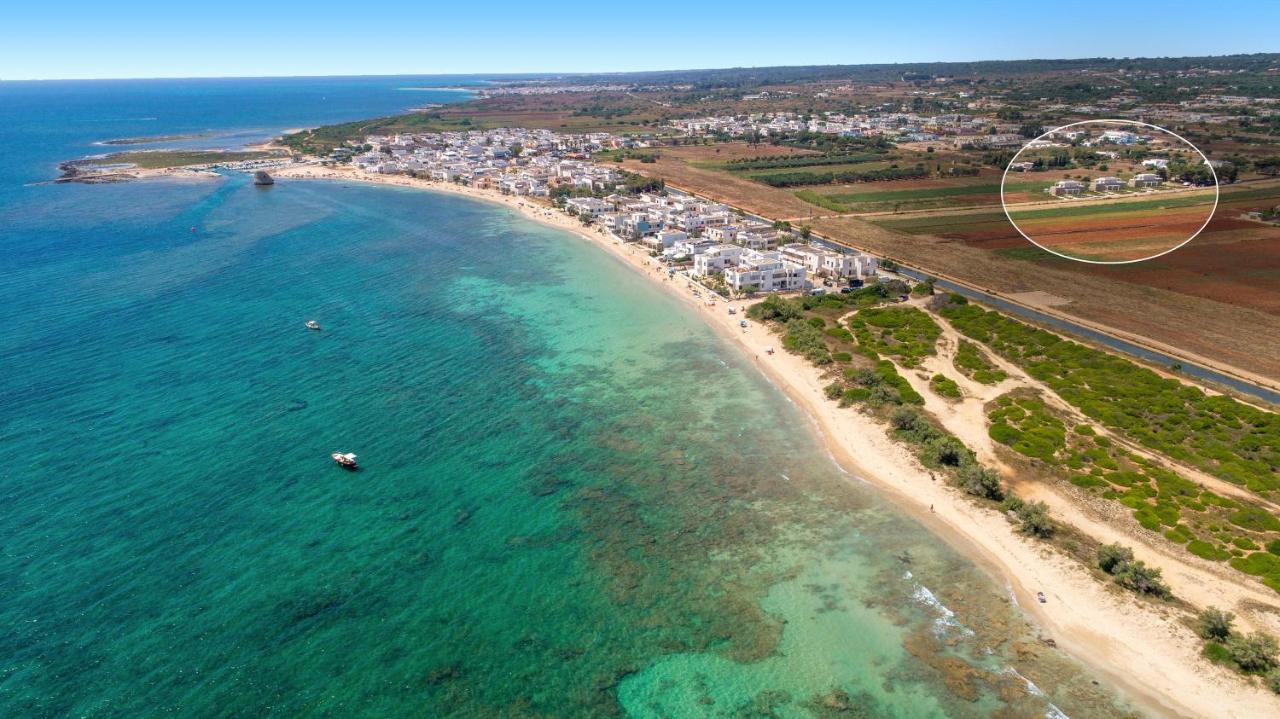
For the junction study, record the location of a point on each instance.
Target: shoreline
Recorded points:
(1147, 654)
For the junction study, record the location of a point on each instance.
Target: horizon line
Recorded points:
(579, 73)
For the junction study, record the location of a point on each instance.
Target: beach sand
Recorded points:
(1144, 649)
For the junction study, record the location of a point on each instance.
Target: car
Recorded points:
(846, 290)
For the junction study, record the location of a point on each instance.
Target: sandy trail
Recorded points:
(1141, 648)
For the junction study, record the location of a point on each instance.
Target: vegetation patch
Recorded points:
(1216, 434)
(1026, 425)
(973, 363)
(944, 386)
(903, 332)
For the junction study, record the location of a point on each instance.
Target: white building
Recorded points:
(1145, 179)
(716, 259)
(1108, 184)
(1064, 188)
(587, 206)
(765, 272)
(819, 261)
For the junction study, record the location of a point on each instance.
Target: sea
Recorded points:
(574, 500)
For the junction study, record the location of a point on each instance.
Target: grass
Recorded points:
(944, 386)
(155, 159)
(823, 201)
(323, 140)
(971, 362)
(903, 332)
(919, 193)
(1216, 434)
(1026, 425)
(1092, 209)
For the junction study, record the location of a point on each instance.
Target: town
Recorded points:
(728, 251)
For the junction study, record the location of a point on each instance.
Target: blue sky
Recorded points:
(142, 38)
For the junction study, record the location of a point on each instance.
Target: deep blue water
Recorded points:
(575, 500)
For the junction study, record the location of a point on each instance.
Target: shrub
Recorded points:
(1035, 519)
(906, 419)
(777, 308)
(947, 451)
(1256, 519)
(1273, 680)
(1136, 575)
(944, 386)
(1111, 556)
(1215, 624)
(980, 481)
(1255, 653)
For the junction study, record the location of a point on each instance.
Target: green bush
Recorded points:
(1256, 519)
(1234, 441)
(944, 386)
(1142, 579)
(1254, 654)
(1205, 550)
(1215, 624)
(980, 481)
(903, 332)
(1112, 556)
(1273, 680)
(1034, 519)
(775, 308)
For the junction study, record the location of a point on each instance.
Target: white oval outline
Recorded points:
(1217, 192)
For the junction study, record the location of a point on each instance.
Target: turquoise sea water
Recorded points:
(575, 500)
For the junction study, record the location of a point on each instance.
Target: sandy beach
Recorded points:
(1144, 649)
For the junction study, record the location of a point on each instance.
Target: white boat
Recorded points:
(313, 325)
(345, 460)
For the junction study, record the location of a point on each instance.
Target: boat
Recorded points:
(345, 460)
(313, 325)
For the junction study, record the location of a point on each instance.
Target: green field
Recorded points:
(1091, 209)
(155, 159)
(323, 140)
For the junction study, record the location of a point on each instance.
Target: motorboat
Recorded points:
(345, 460)
(313, 325)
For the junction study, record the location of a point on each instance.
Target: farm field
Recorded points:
(914, 195)
(1108, 234)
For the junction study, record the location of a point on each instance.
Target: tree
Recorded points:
(1215, 624)
(1111, 556)
(1035, 519)
(805, 231)
(980, 481)
(1255, 653)
(1136, 575)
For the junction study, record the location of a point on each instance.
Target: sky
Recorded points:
(63, 39)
